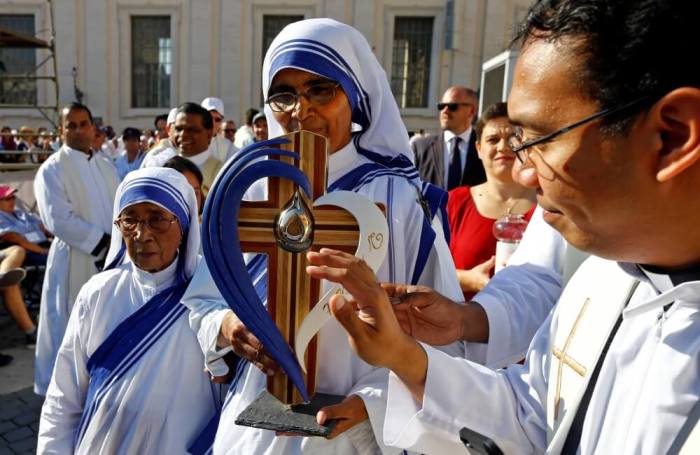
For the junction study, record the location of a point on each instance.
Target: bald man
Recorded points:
(449, 160)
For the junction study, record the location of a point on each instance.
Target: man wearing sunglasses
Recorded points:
(606, 104)
(449, 160)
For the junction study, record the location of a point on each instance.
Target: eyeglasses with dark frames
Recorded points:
(516, 139)
(157, 224)
(451, 106)
(319, 94)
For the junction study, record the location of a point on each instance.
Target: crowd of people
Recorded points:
(586, 341)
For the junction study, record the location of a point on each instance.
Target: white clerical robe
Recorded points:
(159, 405)
(341, 371)
(519, 298)
(75, 195)
(221, 148)
(648, 382)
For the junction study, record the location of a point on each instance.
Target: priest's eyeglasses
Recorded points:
(157, 224)
(519, 146)
(319, 94)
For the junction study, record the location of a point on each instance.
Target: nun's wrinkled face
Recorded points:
(152, 235)
(321, 106)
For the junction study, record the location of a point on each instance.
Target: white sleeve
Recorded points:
(518, 298)
(57, 212)
(541, 245)
(507, 406)
(65, 396)
(207, 310)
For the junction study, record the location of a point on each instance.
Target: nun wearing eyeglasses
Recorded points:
(321, 75)
(128, 376)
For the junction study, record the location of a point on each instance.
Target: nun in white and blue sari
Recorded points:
(128, 377)
(339, 90)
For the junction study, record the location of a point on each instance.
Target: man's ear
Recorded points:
(679, 123)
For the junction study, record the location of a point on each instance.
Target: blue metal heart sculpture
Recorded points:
(222, 248)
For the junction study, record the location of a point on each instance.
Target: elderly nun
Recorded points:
(128, 377)
(321, 75)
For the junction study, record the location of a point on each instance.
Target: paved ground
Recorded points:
(19, 406)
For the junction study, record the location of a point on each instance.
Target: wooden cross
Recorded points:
(291, 292)
(565, 359)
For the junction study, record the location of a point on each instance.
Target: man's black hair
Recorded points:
(496, 110)
(249, 114)
(131, 133)
(75, 106)
(182, 165)
(194, 108)
(163, 117)
(630, 48)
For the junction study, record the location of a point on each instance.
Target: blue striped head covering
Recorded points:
(170, 190)
(339, 52)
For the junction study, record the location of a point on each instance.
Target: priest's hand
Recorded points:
(348, 413)
(374, 332)
(434, 319)
(245, 344)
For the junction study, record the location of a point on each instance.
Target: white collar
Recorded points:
(200, 158)
(465, 136)
(685, 289)
(75, 152)
(343, 161)
(159, 280)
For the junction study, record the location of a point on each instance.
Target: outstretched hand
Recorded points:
(426, 315)
(369, 320)
(373, 330)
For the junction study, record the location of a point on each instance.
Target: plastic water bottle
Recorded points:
(508, 231)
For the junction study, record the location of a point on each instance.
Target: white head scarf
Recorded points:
(170, 190)
(340, 53)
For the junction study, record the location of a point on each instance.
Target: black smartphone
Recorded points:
(478, 443)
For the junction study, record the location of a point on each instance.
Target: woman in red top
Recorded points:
(473, 210)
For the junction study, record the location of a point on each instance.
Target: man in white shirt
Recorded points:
(612, 154)
(74, 191)
(450, 159)
(191, 135)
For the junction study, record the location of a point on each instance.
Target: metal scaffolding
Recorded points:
(13, 39)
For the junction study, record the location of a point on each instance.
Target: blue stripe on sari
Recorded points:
(436, 200)
(126, 345)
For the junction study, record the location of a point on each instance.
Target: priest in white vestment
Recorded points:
(192, 136)
(333, 85)
(128, 377)
(608, 140)
(74, 190)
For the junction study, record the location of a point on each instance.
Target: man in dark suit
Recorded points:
(450, 159)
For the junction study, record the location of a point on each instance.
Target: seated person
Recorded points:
(22, 228)
(128, 376)
(10, 276)
(472, 211)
